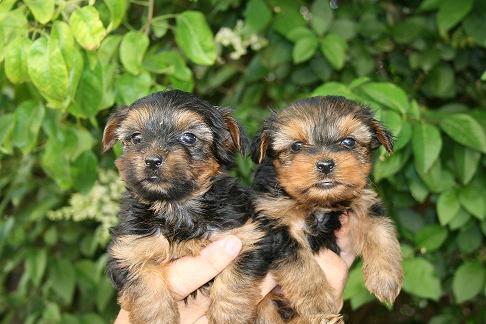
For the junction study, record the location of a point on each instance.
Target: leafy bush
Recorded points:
(420, 65)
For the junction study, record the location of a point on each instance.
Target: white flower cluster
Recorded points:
(101, 204)
(239, 40)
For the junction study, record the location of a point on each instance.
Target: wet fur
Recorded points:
(290, 195)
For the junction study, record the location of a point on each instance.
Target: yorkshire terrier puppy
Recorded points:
(316, 157)
(176, 151)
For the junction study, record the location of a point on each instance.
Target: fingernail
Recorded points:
(232, 245)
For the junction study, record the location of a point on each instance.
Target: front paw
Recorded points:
(385, 283)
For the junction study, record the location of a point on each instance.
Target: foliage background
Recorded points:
(64, 63)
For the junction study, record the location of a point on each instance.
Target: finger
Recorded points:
(344, 229)
(189, 273)
(122, 317)
(267, 285)
(336, 272)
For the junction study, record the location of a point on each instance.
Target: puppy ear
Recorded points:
(114, 121)
(381, 136)
(259, 146)
(239, 140)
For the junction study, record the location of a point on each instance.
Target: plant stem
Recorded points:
(150, 15)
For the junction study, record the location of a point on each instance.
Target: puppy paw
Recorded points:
(384, 283)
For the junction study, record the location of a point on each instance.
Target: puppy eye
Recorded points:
(136, 138)
(188, 138)
(348, 142)
(296, 147)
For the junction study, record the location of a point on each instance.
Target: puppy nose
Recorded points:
(325, 167)
(153, 162)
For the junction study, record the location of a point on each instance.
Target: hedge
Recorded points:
(419, 64)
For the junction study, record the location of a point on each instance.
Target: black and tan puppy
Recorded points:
(316, 157)
(176, 150)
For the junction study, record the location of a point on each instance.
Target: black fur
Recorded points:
(320, 230)
(226, 205)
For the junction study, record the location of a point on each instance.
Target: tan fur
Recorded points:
(375, 239)
(147, 290)
(350, 126)
(302, 280)
(234, 298)
(267, 311)
(187, 118)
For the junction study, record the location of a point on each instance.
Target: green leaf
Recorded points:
(468, 280)
(129, 87)
(132, 50)
(117, 8)
(63, 279)
(13, 24)
(89, 94)
(447, 206)
(355, 289)
(304, 49)
(87, 27)
(465, 130)
(437, 178)
(43, 10)
(299, 33)
(195, 38)
(430, 237)
(84, 171)
(35, 265)
(388, 95)
(461, 218)
(104, 294)
(426, 144)
(345, 28)
(321, 16)
(16, 55)
(451, 12)
(465, 163)
(391, 120)
(160, 26)
(7, 123)
(108, 48)
(167, 62)
(417, 187)
(288, 17)
(420, 279)
(257, 16)
(440, 82)
(389, 165)
(334, 89)
(334, 48)
(47, 69)
(29, 116)
(472, 198)
(469, 238)
(6, 5)
(62, 36)
(403, 138)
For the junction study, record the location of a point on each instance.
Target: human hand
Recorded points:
(334, 266)
(187, 274)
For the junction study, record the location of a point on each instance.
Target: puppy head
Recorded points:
(321, 148)
(173, 143)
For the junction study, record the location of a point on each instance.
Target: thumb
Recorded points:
(187, 274)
